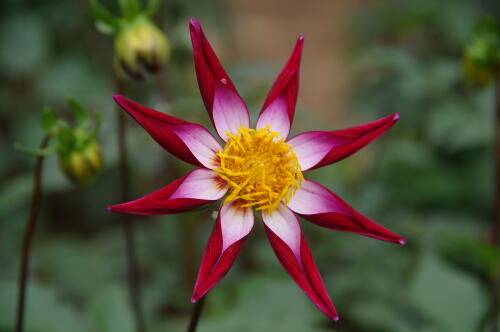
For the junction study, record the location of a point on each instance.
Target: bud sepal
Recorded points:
(481, 59)
(79, 153)
(140, 46)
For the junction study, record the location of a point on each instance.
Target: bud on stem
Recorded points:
(140, 46)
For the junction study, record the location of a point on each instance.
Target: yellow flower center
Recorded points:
(261, 169)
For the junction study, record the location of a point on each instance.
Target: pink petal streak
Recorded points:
(198, 187)
(320, 148)
(230, 231)
(290, 245)
(186, 140)
(279, 107)
(319, 205)
(227, 110)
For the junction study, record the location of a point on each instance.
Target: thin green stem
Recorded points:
(28, 236)
(196, 314)
(134, 279)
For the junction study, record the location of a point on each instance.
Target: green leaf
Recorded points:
(130, 8)
(488, 255)
(46, 311)
(81, 114)
(49, 119)
(67, 139)
(110, 311)
(102, 14)
(34, 151)
(451, 299)
(278, 304)
(105, 28)
(378, 315)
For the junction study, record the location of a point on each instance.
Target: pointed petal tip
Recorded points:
(115, 208)
(300, 40)
(336, 318)
(194, 23)
(395, 117)
(299, 45)
(118, 97)
(197, 295)
(402, 241)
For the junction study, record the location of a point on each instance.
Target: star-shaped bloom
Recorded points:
(255, 171)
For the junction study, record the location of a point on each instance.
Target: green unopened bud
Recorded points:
(82, 166)
(482, 54)
(78, 152)
(140, 43)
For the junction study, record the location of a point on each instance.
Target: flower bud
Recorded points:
(81, 166)
(140, 43)
(482, 54)
(78, 151)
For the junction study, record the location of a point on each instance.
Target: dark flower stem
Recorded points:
(196, 314)
(495, 236)
(28, 236)
(496, 220)
(127, 224)
(187, 233)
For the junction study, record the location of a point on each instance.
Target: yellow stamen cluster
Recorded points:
(261, 169)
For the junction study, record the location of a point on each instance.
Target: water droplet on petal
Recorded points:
(223, 80)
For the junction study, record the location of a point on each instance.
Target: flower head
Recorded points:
(257, 170)
(261, 171)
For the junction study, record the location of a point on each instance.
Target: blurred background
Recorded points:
(428, 179)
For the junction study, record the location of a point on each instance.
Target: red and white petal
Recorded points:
(185, 140)
(196, 188)
(276, 117)
(230, 231)
(290, 245)
(279, 107)
(319, 205)
(227, 110)
(320, 148)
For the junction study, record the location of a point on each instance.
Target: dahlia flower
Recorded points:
(255, 171)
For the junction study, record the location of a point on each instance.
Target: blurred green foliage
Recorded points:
(482, 53)
(428, 179)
